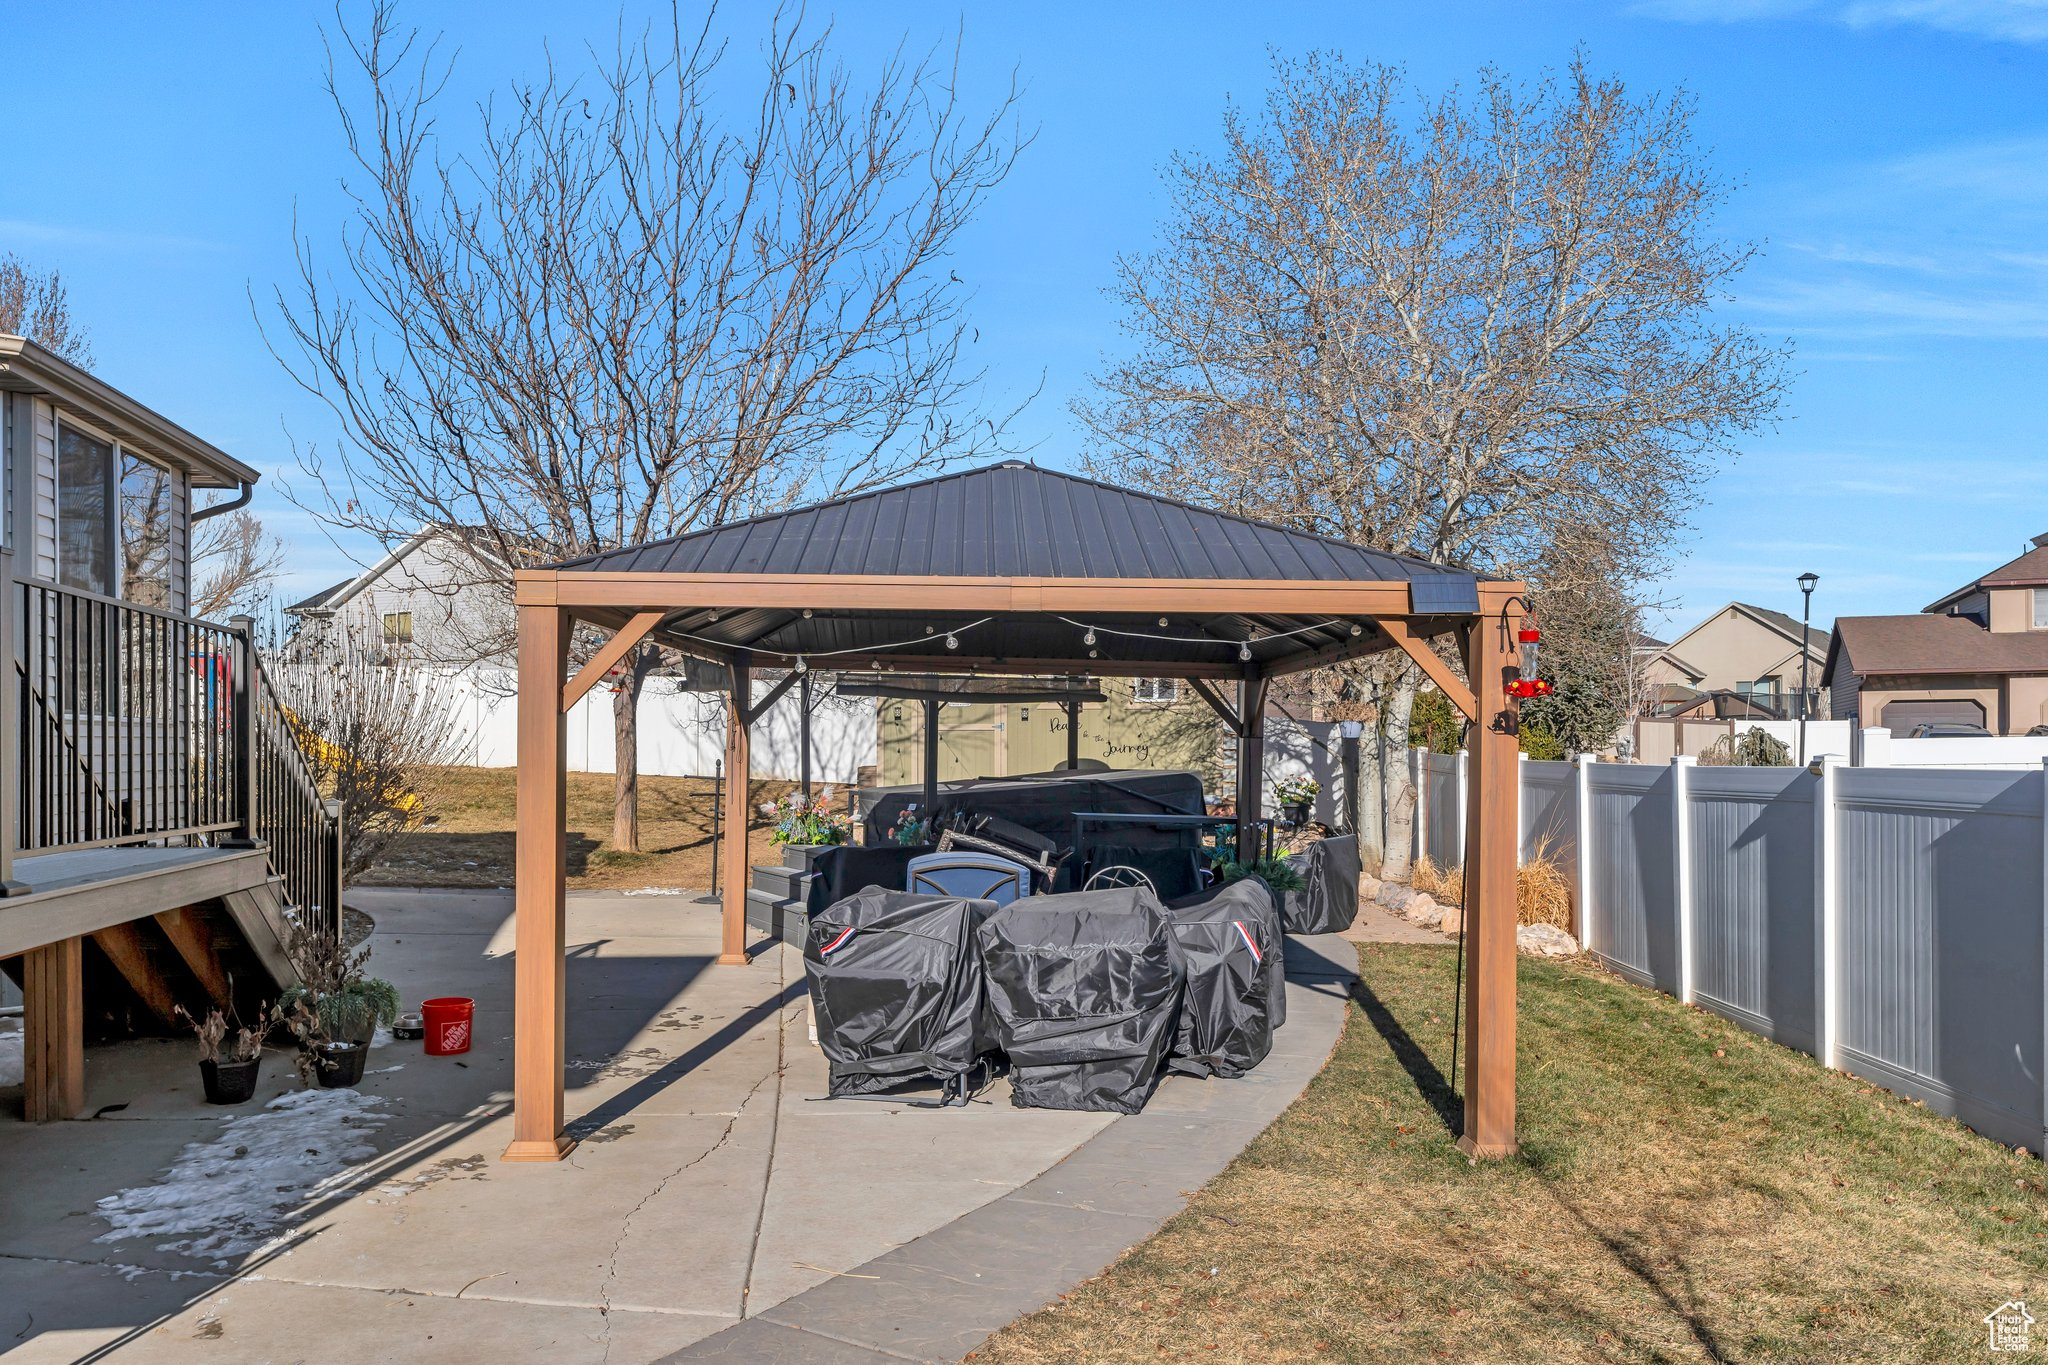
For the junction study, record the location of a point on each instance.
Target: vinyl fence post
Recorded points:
(1418, 764)
(1582, 815)
(2043, 1144)
(1827, 898)
(1681, 864)
(1464, 798)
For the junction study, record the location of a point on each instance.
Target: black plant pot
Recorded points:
(230, 1082)
(340, 1065)
(1295, 812)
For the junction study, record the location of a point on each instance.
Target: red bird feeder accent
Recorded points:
(1526, 684)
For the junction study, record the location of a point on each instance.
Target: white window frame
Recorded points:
(2040, 605)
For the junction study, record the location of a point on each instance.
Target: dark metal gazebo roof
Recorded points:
(1015, 520)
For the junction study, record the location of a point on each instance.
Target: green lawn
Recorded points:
(1685, 1191)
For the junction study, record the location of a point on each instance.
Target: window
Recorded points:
(397, 628)
(2041, 609)
(1163, 690)
(148, 520)
(85, 542)
(1763, 689)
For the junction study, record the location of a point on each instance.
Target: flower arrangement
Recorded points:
(1296, 791)
(815, 821)
(909, 829)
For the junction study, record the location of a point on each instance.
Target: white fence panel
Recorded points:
(1940, 942)
(1754, 926)
(1550, 814)
(1632, 923)
(1443, 830)
(2008, 752)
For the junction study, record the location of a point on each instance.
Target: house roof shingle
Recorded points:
(1878, 645)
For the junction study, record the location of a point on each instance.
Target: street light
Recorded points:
(1807, 583)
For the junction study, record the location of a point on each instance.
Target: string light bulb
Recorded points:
(1089, 637)
(1356, 629)
(951, 643)
(801, 666)
(1244, 652)
(807, 613)
(1162, 623)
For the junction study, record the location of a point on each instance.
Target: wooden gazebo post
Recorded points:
(732, 947)
(540, 970)
(1493, 829)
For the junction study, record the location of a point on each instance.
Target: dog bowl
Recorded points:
(409, 1026)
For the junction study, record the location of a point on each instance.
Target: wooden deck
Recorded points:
(85, 890)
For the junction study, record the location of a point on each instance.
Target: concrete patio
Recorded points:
(714, 1203)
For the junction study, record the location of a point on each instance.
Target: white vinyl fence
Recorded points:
(682, 734)
(1888, 920)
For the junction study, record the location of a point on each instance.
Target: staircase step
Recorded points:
(780, 880)
(777, 917)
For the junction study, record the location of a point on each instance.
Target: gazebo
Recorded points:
(1005, 571)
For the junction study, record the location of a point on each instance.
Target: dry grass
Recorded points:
(471, 840)
(1685, 1191)
(1543, 894)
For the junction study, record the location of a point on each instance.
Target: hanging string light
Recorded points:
(803, 658)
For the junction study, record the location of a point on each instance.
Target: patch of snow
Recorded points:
(380, 1038)
(652, 891)
(231, 1196)
(10, 1057)
(386, 1070)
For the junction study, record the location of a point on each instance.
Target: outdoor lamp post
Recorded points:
(1807, 582)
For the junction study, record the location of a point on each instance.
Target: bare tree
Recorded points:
(235, 563)
(35, 304)
(372, 735)
(619, 312)
(1441, 326)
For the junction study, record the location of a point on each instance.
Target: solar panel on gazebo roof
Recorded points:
(1015, 520)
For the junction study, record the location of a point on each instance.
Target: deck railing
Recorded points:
(128, 724)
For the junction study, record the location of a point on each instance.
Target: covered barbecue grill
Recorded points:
(1085, 992)
(896, 983)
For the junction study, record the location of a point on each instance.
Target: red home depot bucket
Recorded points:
(447, 1020)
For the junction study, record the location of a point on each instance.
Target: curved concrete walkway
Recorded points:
(940, 1296)
(712, 1199)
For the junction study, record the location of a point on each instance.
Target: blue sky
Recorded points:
(1892, 160)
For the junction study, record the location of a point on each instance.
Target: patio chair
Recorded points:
(970, 873)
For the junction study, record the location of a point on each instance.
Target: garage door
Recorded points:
(1901, 716)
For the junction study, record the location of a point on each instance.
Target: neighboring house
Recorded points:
(1978, 656)
(442, 597)
(159, 829)
(1742, 661)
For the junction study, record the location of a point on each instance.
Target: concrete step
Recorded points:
(780, 881)
(779, 917)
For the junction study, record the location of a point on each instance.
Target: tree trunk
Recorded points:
(1400, 791)
(1371, 792)
(626, 751)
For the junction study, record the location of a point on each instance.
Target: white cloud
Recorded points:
(2018, 21)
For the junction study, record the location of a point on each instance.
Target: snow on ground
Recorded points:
(10, 1057)
(228, 1197)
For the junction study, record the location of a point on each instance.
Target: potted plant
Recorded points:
(810, 824)
(1296, 795)
(228, 1072)
(1277, 873)
(334, 1010)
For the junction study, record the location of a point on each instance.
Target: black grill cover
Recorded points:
(839, 872)
(1329, 903)
(1085, 992)
(1045, 803)
(897, 987)
(1250, 899)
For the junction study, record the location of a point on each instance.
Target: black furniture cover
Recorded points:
(1085, 991)
(1254, 903)
(1045, 803)
(897, 987)
(839, 872)
(1173, 872)
(1329, 903)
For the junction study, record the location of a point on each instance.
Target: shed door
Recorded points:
(1901, 716)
